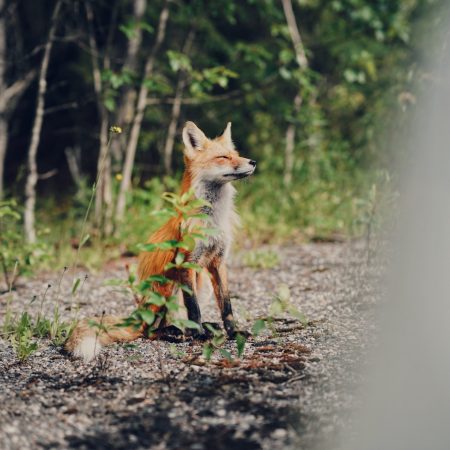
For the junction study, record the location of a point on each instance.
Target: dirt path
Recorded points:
(289, 391)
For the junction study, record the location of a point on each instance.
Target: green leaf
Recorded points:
(110, 104)
(226, 354)
(173, 305)
(147, 315)
(161, 279)
(131, 278)
(115, 282)
(293, 311)
(76, 283)
(151, 247)
(182, 324)
(146, 27)
(128, 30)
(188, 243)
(284, 293)
(189, 265)
(276, 307)
(156, 299)
(208, 351)
(258, 326)
(240, 344)
(218, 339)
(179, 258)
(185, 288)
(214, 331)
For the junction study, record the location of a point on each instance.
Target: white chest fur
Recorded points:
(222, 217)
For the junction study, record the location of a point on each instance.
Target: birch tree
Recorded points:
(303, 64)
(103, 193)
(176, 108)
(127, 101)
(32, 176)
(9, 93)
(130, 152)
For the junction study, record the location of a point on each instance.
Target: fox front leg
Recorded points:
(188, 278)
(219, 281)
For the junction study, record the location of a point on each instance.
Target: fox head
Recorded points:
(214, 160)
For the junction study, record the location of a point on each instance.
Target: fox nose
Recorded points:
(252, 162)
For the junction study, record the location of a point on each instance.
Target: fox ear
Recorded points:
(194, 139)
(226, 135)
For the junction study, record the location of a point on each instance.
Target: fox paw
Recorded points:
(170, 334)
(198, 334)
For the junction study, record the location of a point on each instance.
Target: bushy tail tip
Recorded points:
(88, 348)
(86, 342)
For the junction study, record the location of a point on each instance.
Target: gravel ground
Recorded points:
(291, 390)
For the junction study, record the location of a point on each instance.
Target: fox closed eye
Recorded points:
(223, 157)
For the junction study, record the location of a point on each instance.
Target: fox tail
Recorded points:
(90, 335)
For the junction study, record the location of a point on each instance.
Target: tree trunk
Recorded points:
(176, 109)
(290, 144)
(3, 120)
(140, 109)
(295, 34)
(103, 192)
(30, 187)
(125, 109)
(289, 157)
(3, 146)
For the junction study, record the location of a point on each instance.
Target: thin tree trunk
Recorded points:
(140, 109)
(289, 157)
(3, 146)
(73, 163)
(125, 109)
(295, 34)
(103, 193)
(176, 109)
(3, 119)
(290, 144)
(30, 188)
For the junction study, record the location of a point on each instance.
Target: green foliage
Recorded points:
(24, 331)
(281, 305)
(16, 256)
(21, 336)
(241, 67)
(261, 259)
(188, 207)
(215, 344)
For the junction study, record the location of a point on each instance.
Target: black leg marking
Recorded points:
(219, 278)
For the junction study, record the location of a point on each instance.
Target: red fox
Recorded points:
(210, 166)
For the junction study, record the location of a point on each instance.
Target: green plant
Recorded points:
(24, 332)
(188, 207)
(374, 208)
(261, 259)
(281, 304)
(17, 257)
(22, 337)
(216, 344)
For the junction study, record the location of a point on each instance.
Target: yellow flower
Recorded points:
(115, 129)
(119, 176)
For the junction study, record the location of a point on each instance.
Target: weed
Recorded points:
(188, 206)
(16, 256)
(261, 259)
